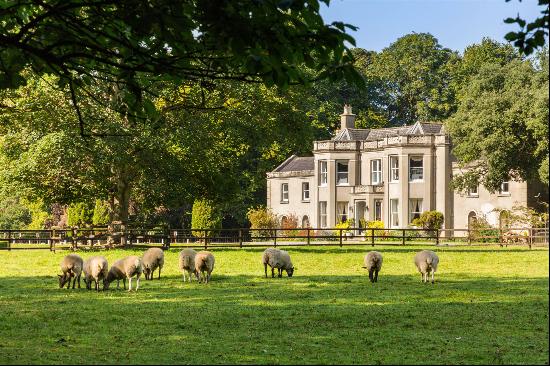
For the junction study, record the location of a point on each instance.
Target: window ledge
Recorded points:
(306, 201)
(504, 195)
(416, 181)
(284, 202)
(472, 196)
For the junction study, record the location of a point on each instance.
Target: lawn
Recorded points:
(488, 305)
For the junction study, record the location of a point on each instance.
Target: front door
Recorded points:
(359, 213)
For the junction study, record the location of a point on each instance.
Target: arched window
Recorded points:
(305, 221)
(504, 219)
(284, 222)
(472, 217)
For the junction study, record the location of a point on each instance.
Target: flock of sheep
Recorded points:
(200, 264)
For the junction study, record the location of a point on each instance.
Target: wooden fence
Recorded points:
(99, 237)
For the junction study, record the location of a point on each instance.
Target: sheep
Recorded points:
(373, 263)
(123, 269)
(71, 266)
(279, 259)
(95, 269)
(187, 262)
(426, 261)
(204, 262)
(153, 258)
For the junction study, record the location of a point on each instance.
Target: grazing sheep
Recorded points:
(123, 269)
(71, 266)
(204, 262)
(153, 258)
(187, 262)
(426, 261)
(279, 259)
(95, 269)
(373, 263)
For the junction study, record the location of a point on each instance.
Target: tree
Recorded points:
(414, 74)
(13, 214)
(500, 130)
(132, 46)
(205, 216)
(532, 35)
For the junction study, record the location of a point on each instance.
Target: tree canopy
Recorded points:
(134, 45)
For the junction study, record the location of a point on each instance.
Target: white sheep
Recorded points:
(426, 261)
(123, 269)
(71, 266)
(204, 262)
(95, 269)
(279, 259)
(373, 263)
(187, 262)
(153, 258)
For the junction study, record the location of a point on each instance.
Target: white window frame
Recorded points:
(417, 169)
(284, 192)
(304, 190)
(323, 173)
(473, 192)
(394, 212)
(376, 171)
(339, 173)
(394, 168)
(412, 205)
(378, 217)
(504, 191)
(323, 217)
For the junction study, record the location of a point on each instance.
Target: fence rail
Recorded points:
(100, 237)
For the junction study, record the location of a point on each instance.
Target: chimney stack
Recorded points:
(347, 119)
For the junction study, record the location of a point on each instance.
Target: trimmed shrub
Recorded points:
(263, 221)
(13, 214)
(205, 215)
(344, 225)
(101, 213)
(429, 220)
(79, 214)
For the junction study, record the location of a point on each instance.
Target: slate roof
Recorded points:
(296, 164)
(365, 134)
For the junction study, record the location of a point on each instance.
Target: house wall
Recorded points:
(295, 204)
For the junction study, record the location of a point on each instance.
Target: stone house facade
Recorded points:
(387, 174)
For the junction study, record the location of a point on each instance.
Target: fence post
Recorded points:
(9, 240)
(530, 240)
(308, 237)
(240, 238)
(275, 239)
(340, 238)
(403, 236)
(469, 237)
(372, 236)
(500, 241)
(205, 240)
(436, 237)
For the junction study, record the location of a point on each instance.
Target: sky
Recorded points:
(455, 23)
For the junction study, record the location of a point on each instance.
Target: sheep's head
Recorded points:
(62, 280)
(106, 285)
(290, 271)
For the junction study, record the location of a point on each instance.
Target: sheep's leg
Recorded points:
(74, 281)
(265, 269)
(376, 276)
(279, 272)
(370, 275)
(183, 273)
(79, 281)
(272, 272)
(129, 284)
(117, 284)
(208, 278)
(124, 282)
(96, 285)
(433, 273)
(159, 271)
(137, 285)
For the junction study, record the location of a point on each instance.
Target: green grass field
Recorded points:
(488, 305)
